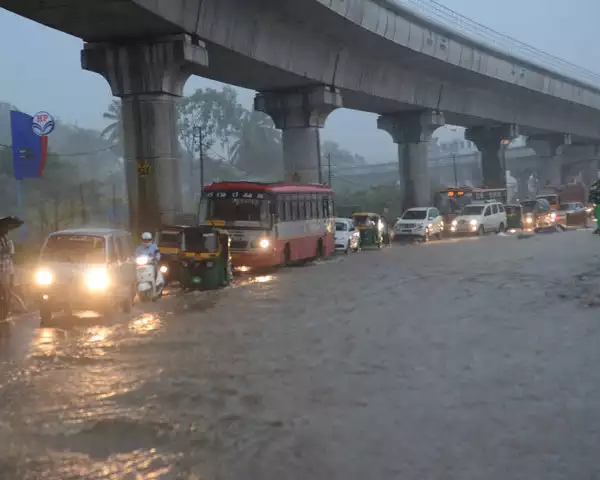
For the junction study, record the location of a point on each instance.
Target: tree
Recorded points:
(257, 149)
(211, 116)
(341, 157)
(113, 130)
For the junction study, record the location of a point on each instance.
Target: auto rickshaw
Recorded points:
(514, 217)
(371, 228)
(170, 241)
(205, 260)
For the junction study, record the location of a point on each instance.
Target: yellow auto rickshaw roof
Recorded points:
(366, 214)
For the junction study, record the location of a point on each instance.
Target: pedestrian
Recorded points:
(6, 275)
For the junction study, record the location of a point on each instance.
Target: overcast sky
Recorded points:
(40, 69)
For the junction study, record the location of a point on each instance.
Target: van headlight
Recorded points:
(44, 277)
(264, 243)
(473, 223)
(454, 223)
(96, 279)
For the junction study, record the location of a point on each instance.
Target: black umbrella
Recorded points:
(9, 223)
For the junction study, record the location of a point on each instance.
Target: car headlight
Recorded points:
(96, 279)
(264, 243)
(44, 277)
(142, 260)
(454, 223)
(164, 269)
(529, 220)
(588, 210)
(473, 223)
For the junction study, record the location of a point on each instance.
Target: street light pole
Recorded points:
(329, 168)
(455, 172)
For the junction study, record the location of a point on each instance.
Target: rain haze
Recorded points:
(188, 292)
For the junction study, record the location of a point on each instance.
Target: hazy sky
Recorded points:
(40, 69)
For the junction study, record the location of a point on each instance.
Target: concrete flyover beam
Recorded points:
(492, 142)
(300, 114)
(411, 131)
(149, 76)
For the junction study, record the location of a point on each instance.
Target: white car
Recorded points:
(347, 236)
(420, 223)
(480, 218)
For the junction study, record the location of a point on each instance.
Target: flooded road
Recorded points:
(474, 359)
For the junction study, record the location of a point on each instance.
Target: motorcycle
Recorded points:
(150, 281)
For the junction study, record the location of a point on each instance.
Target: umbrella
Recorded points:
(9, 223)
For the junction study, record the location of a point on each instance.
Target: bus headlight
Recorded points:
(44, 277)
(96, 279)
(264, 243)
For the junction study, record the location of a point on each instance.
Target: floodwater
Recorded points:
(472, 359)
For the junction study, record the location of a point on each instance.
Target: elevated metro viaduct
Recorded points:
(307, 59)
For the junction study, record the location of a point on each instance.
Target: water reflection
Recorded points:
(144, 324)
(96, 335)
(263, 278)
(46, 340)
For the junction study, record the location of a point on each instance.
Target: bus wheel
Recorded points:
(320, 252)
(287, 255)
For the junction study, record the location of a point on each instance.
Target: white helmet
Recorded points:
(147, 236)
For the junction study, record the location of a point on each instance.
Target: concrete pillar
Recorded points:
(549, 147)
(492, 142)
(300, 114)
(522, 178)
(412, 132)
(149, 75)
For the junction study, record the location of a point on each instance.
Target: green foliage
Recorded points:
(339, 157)
(375, 199)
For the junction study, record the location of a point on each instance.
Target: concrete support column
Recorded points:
(149, 75)
(492, 142)
(549, 148)
(412, 132)
(300, 115)
(522, 178)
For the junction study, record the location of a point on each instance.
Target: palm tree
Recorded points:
(112, 132)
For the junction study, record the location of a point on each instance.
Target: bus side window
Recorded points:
(315, 206)
(294, 203)
(326, 207)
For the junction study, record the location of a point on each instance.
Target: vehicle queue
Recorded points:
(249, 226)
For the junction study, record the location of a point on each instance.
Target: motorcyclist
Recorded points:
(148, 247)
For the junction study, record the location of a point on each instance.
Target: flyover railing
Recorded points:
(448, 18)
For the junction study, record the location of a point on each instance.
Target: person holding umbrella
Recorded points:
(6, 263)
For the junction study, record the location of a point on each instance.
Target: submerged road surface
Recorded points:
(454, 360)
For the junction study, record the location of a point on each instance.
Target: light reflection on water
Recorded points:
(144, 324)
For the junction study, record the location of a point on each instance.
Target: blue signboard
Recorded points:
(29, 149)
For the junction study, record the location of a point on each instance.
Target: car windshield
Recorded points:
(473, 210)
(341, 227)
(200, 242)
(74, 249)
(414, 215)
(566, 206)
(528, 206)
(169, 240)
(512, 209)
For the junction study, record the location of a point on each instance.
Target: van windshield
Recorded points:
(75, 249)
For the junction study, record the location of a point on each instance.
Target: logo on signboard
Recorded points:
(42, 124)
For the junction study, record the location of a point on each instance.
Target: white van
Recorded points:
(480, 218)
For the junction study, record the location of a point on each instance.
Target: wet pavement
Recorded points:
(468, 359)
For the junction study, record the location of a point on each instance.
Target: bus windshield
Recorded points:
(238, 210)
